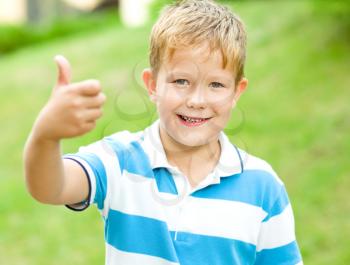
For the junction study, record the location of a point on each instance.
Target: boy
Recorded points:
(178, 192)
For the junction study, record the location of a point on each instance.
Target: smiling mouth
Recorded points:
(192, 121)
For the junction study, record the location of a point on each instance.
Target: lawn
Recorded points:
(295, 114)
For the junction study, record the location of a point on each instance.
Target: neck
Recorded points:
(186, 157)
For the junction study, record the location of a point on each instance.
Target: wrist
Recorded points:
(41, 132)
(41, 138)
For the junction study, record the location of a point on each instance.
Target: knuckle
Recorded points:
(99, 113)
(76, 103)
(81, 127)
(75, 130)
(77, 117)
(99, 102)
(94, 84)
(103, 98)
(69, 89)
(89, 126)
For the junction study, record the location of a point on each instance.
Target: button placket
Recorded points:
(184, 190)
(181, 211)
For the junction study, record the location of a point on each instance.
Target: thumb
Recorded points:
(64, 70)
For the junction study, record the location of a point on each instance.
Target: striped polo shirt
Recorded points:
(239, 214)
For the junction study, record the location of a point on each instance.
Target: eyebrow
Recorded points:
(178, 73)
(222, 78)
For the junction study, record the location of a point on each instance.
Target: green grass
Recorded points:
(295, 114)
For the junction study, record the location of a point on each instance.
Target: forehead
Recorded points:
(200, 55)
(195, 60)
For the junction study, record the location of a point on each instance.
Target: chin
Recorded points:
(192, 140)
(192, 143)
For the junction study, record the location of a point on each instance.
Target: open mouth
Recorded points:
(192, 121)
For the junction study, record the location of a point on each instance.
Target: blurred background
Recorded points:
(295, 113)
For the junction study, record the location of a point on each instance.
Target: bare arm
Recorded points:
(71, 111)
(49, 178)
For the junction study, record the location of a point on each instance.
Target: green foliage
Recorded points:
(14, 37)
(337, 13)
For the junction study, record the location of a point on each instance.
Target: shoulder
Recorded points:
(122, 137)
(259, 167)
(261, 179)
(263, 183)
(240, 160)
(126, 137)
(109, 145)
(123, 143)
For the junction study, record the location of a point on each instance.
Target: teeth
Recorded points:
(191, 119)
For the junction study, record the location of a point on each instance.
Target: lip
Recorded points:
(192, 124)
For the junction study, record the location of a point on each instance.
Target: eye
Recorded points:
(216, 85)
(182, 82)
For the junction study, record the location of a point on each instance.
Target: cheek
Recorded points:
(168, 95)
(224, 114)
(223, 94)
(223, 103)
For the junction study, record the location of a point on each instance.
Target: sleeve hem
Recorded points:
(78, 207)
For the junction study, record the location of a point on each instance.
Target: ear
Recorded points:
(150, 83)
(239, 89)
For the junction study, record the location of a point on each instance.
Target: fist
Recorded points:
(72, 109)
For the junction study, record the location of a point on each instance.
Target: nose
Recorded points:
(197, 99)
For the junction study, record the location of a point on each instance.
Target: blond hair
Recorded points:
(190, 23)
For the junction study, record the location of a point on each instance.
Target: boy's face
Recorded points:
(194, 95)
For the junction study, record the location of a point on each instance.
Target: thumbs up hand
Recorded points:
(72, 109)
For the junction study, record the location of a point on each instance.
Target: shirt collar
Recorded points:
(230, 162)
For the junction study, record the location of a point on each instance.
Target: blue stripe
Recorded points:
(209, 250)
(255, 187)
(143, 235)
(139, 234)
(286, 255)
(132, 157)
(165, 181)
(280, 204)
(100, 173)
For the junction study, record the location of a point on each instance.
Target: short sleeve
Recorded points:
(277, 243)
(96, 160)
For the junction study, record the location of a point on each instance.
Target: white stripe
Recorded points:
(116, 256)
(236, 220)
(221, 218)
(277, 231)
(138, 196)
(126, 137)
(300, 263)
(254, 163)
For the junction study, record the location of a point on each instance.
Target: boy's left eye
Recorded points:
(216, 84)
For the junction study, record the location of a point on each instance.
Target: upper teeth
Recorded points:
(192, 119)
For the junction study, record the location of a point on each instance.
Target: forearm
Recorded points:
(44, 170)
(71, 111)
